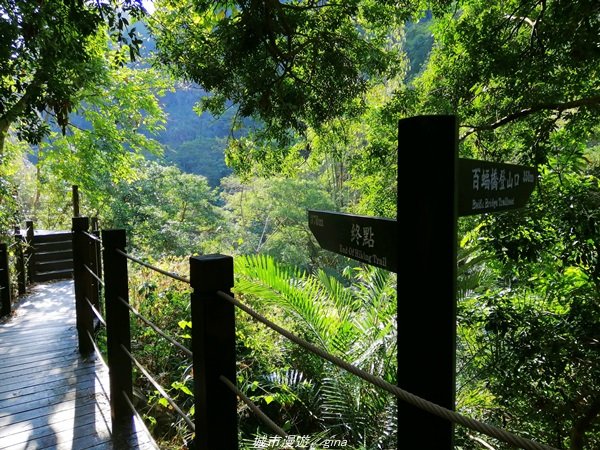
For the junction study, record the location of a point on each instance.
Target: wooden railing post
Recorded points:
(29, 250)
(85, 316)
(5, 294)
(95, 228)
(213, 345)
(20, 263)
(426, 230)
(116, 288)
(75, 195)
(93, 287)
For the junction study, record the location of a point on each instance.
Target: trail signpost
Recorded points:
(434, 188)
(370, 240)
(491, 187)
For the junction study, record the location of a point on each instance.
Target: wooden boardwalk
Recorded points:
(50, 397)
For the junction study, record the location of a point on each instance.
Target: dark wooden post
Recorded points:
(96, 231)
(5, 294)
(20, 263)
(92, 285)
(427, 193)
(116, 288)
(29, 251)
(75, 195)
(213, 345)
(85, 316)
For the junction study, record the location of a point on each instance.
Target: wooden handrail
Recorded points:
(5, 294)
(213, 333)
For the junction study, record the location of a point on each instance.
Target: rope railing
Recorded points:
(403, 395)
(97, 313)
(91, 236)
(160, 389)
(136, 313)
(255, 409)
(109, 251)
(156, 269)
(96, 348)
(131, 407)
(94, 275)
(211, 278)
(130, 404)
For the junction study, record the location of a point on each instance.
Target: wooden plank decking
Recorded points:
(50, 397)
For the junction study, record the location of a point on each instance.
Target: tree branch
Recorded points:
(50, 113)
(481, 441)
(558, 107)
(16, 110)
(19, 107)
(311, 6)
(527, 20)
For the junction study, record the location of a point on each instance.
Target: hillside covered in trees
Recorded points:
(196, 143)
(212, 126)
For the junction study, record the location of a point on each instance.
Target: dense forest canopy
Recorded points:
(48, 56)
(301, 99)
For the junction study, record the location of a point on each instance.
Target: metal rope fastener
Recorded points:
(403, 395)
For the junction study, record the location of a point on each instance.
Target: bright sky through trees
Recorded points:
(149, 5)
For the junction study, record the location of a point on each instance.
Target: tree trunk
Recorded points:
(13, 113)
(583, 424)
(4, 126)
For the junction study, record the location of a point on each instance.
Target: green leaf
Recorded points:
(182, 387)
(183, 324)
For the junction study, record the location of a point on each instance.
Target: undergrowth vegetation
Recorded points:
(352, 317)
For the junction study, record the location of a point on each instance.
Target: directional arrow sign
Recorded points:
(489, 187)
(482, 187)
(371, 240)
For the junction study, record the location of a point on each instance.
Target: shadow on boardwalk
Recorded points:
(50, 397)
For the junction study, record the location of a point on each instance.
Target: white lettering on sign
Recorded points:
(355, 235)
(368, 237)
(364, 236)
(498, 180)
(317, 221)
(485, 179)
(494, 180)
(485, 203)
(369, 258)
(502, 180)
(528, 177)
(476, 179)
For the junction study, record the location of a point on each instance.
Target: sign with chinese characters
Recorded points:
(371, 240)
(489, 187)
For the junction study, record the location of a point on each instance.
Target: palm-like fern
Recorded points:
(354, 319)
